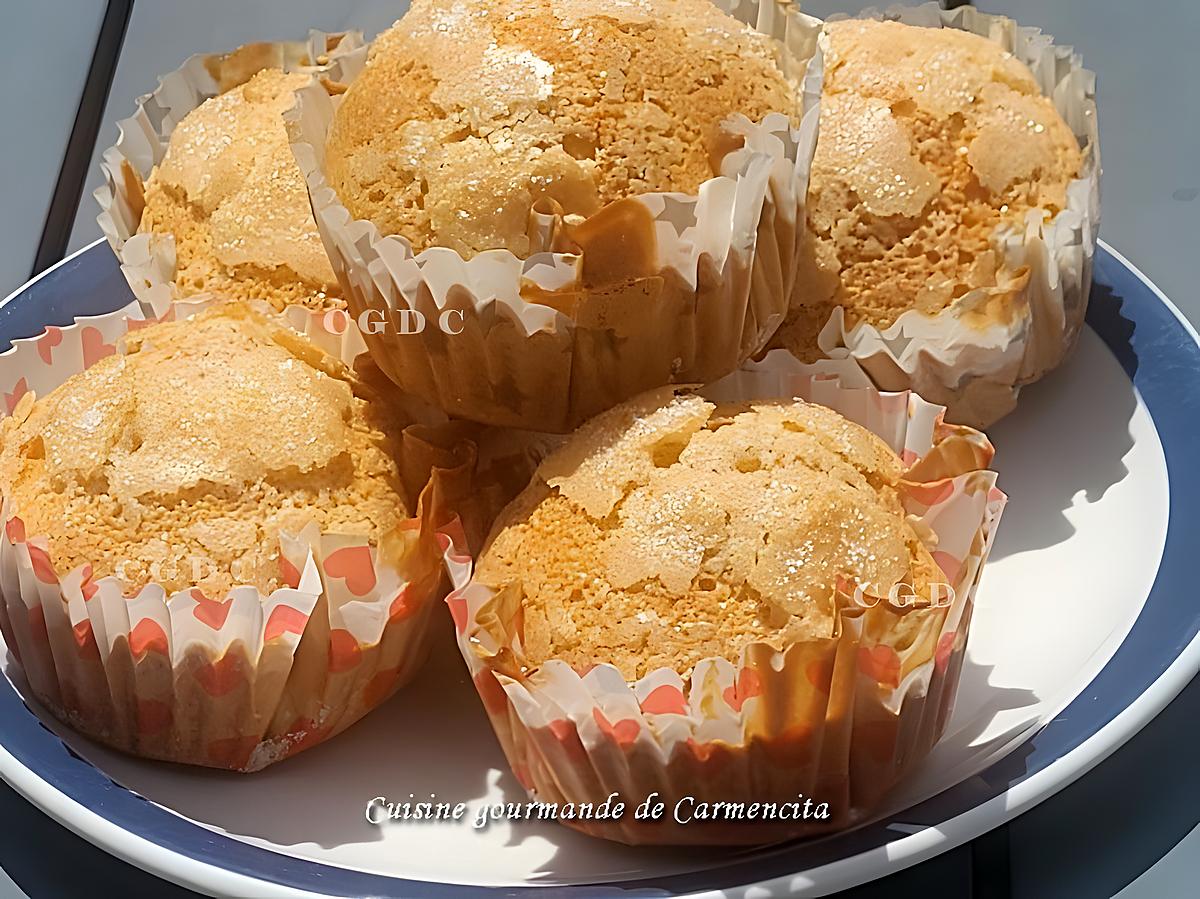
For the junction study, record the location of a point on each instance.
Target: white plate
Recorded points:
(1081, 621)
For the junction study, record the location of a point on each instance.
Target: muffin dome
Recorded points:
(670, 529)
(181, 460)
(467, 115)
(931, 138)
(230, 192)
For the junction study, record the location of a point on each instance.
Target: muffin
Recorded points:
(468, 117)
(228, 212)
(182, 459)
(229, 192)
(749, 598)
(574, 202)
(677, 530)
(201, 507)
(933, 142)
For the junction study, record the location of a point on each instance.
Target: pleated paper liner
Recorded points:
(978, 370)
(148, 260)
(237, 681)
(837, 721)
(696, 286)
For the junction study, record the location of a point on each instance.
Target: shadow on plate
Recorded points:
(1068, 436)
(320, 796)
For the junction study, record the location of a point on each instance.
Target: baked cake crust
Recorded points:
(670, 529)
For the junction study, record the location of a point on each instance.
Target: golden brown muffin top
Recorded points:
(181, 459)
(930, 139)
(230, 191)
(668, 530)
(468, 114)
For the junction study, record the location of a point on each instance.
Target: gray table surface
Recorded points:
(1128, 826)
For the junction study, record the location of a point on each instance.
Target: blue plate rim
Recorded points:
(37, 764)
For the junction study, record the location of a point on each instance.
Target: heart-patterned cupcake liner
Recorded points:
(697, 283)
(247, 679)
(836, 721)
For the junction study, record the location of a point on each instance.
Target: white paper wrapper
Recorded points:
(148, 260)
(976, 371)
(836, 720)
(708, 291)
(233, 682)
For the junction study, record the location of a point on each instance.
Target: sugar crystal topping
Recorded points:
(670, 529)
(931, 139)
(469, 114)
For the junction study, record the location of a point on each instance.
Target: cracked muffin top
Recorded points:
(930, 139)
(669, 530)
(230, 191)
(181, 459)
(468, 114)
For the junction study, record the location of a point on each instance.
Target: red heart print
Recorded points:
(19, 390)
(495, 700)
(284, 620)
(43, 570)
(710, 756)
(931, 494)
(147, 636)
(452, 538)
(945, 648)
(14, 529)
(353, 565)
(820, 674)
(666, 699)
(403, 605)
(880, 663)
(209, 611)
(748, 686)
(85, 639)
(336, 321)
(86, 587)
(950, 566)
(344, 651)
(702, 751)
(94, 347)
(222, 676)
(458, 611)
(289, 574)
(624, 732)
(564, 731)
(136, 324)
(47, 342)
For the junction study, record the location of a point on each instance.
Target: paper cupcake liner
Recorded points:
(707, 286)
(148, 260)
(836, 720)
(977, 372)
(239, 681)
